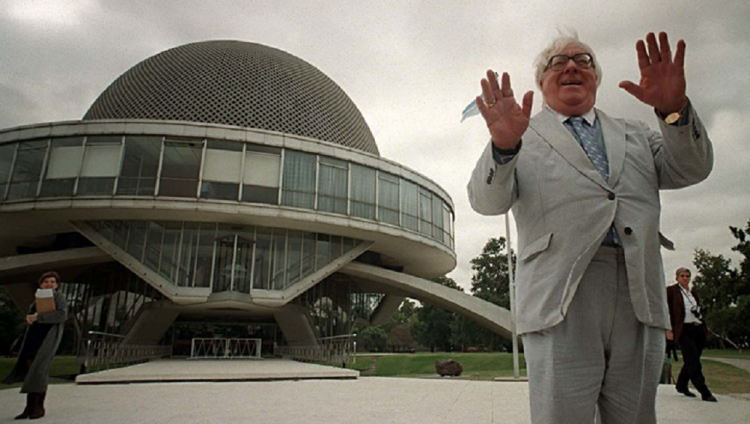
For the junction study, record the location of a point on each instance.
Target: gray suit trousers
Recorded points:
(600, 355)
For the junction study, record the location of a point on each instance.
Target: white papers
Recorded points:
(44, 293)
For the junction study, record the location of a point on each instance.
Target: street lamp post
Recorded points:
(512, 295)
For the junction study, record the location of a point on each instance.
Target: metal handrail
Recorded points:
(105, 354)
(334, 350)
(221, 348)
(99, 333)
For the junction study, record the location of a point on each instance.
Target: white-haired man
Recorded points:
(584, 190)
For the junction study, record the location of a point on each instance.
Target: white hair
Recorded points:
(556, 47)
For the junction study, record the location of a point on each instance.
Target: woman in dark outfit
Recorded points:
(40, 342)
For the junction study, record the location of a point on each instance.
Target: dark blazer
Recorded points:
(677, 309)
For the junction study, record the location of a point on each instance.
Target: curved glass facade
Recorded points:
(225, 257)
(224, 170)
(107, 298)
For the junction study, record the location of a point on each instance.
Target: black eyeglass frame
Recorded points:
(583, 64)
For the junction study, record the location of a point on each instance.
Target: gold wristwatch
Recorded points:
(674, 117)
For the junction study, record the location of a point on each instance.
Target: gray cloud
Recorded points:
(411, 67)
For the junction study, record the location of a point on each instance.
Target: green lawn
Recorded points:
(63, 367)
(722, 378)
(476, 366)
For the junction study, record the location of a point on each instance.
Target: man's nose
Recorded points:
(571, 66)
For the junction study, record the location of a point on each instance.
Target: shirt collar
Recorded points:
(589, 117)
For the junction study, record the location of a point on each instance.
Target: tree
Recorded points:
(399, 325)
(404, 314)
(725, 291)
(490, 279)
(373, 339)
(11, 323)
(490, 282)
(433, 326)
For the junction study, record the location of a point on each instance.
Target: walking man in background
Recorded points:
(689, 331)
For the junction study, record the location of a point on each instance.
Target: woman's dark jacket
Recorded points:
(36, 378)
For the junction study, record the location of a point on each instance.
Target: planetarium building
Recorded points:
(222, 188)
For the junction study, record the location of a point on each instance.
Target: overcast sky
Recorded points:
(411, 67)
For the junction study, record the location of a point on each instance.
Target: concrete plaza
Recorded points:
(217, 398)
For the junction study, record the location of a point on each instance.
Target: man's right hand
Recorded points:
(670, 335)
(505, 119)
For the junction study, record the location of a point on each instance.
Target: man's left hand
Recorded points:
(662, 82)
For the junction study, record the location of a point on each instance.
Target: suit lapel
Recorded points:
(614, 140)
(549, 128)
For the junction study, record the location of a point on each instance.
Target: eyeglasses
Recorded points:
(558, 62)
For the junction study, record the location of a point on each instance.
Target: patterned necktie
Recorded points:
(585, 136)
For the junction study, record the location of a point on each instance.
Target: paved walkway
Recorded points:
(367, 400)
(182, 370)
(743, 364)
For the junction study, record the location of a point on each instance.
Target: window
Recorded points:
(154, 244)
(279, 259)
(205, 253)
(425, 212)
(362, 192)
(27, 169)
(409, 205)
(7, 152)
(322, 250)
(388, 198)
(299, 180)
(101, 165)
(333, 185)
(294, 257)
(180, 168)
(63, 166)
(222, 170)
(437, 218)
(168, 265)
(139, 166)
(448, 225)
(260, 182)
(262, 260)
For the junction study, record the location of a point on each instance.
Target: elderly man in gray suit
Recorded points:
(584, 190)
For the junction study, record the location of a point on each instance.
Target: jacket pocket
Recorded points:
(535, 247)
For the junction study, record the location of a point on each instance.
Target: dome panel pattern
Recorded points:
(240, 84)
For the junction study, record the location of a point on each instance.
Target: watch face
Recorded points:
(672, 118)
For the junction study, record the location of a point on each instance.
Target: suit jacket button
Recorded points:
(611, 196)
(628, 231)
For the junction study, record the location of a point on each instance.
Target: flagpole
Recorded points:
(511, 292)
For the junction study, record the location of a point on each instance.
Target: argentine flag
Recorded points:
(470, 110)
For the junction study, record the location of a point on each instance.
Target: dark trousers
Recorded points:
(692, 340)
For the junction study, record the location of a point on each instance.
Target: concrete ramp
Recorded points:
(488, 314)
(202, 370)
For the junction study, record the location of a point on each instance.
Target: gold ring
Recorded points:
(491, 104)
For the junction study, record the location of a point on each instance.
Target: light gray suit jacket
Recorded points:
(563, 208)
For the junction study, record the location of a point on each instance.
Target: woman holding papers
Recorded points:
(46, 320)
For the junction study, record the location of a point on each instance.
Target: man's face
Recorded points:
(571, 91)
(684, 279)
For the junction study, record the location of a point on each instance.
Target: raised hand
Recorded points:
(506, 120)
(662, 82)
